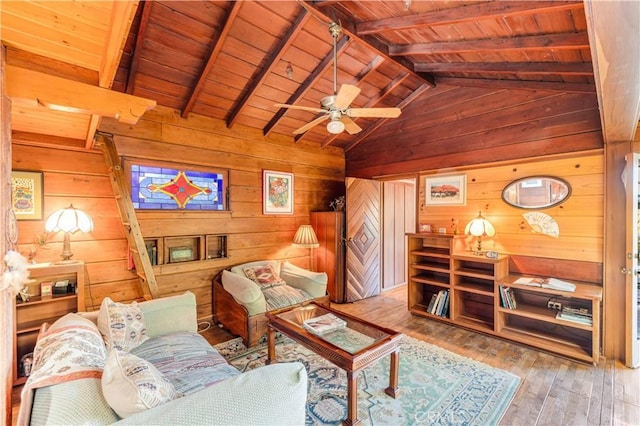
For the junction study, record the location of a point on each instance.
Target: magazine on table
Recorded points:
(324, 324)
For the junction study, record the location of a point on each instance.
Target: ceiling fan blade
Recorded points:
(346, 95)
(302, 108)
(374, 112)
(350, 126)
(310, 124)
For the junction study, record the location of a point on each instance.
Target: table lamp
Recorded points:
(306, 238)
(480, 227)
(68, 220)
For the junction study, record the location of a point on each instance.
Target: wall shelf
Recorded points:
(30, 315)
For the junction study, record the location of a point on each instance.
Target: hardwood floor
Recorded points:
(553, 390)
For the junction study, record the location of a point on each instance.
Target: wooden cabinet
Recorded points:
(30, 315)
(474, 281)
(473, 287)
(329, 257)
(429, 270)
(534, 323)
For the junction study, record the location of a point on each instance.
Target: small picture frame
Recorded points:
(46, 289)
(181, 254)
(425, 227)
(448, 190)
(277, 192)
(27, 194)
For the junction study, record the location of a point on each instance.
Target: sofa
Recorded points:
(242, 295)
(145, 363)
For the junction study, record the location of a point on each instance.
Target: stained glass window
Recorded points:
(173, 188)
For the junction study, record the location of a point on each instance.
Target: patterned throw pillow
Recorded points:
(121, 325)
(130, 384)
(265, 276)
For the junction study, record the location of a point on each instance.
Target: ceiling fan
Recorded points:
(335, 108)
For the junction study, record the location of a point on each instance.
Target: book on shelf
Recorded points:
(434, 308)
(324, 324)
(575, 318)
(443, 312)
(508, 298)
(434, 296)
(550, 283)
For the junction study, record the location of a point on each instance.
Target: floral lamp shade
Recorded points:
(68, 220)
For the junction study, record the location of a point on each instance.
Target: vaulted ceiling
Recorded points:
(234, 60)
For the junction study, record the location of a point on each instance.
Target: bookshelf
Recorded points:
(473, 283)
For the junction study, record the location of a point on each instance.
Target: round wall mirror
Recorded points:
(536, 192)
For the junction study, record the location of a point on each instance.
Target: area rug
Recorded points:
(437, 387)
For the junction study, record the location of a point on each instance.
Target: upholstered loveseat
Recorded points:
(244, 293)
(146, 364)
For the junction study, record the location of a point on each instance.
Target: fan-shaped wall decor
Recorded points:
(542, 223)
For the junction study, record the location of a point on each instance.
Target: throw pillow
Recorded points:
(239, 269)
(130, 384)
(265, 276)
(122, 325)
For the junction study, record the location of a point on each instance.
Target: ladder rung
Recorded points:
(142, 277)
(118, 197)
(134, 250)
(127, 224)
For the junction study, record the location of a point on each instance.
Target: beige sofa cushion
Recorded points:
(244, 291)
(171, 314)
(313, 283)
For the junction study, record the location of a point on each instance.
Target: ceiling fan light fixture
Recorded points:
(335, 127)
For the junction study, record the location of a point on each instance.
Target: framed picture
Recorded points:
(448, 190)
(181, 254)
(277, 192)
(27, 194)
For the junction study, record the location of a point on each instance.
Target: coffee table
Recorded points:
(352, 347)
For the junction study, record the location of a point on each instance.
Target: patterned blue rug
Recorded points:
(437, 387)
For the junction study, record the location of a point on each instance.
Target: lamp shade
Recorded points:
(69, 219)
(305, 237)
(480, 227)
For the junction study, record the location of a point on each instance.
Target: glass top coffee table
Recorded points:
(348, 342)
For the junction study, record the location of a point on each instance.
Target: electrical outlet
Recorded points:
(554, 305)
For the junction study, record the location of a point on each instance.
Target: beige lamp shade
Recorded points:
(480, 227)
(68, 220)
(305, 237)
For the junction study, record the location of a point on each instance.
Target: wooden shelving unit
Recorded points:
(474, 284)
(30, 315)
(533, 323)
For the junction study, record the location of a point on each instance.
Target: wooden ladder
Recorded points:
(141, 260)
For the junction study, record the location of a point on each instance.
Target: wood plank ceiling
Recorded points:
(233, 60)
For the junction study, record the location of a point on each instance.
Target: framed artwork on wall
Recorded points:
(277, 192)
(27, 194)
(448, 190)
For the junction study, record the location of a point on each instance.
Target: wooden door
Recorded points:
(364, 254)
(398, 218)
(632, 305)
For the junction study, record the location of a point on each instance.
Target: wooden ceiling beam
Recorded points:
(405, 102)
(232, 13)
(578, 40)
(330, 13)
(306, 85)
(551, 86)
(539, 68)
(46, 141)
(122, 15)
(373, 102)
(140, 36)
(277, 52)
(71, 96)
(463, 14)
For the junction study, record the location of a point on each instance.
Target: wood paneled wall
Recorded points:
(461, 126)
(580, 218)
(80, 177)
